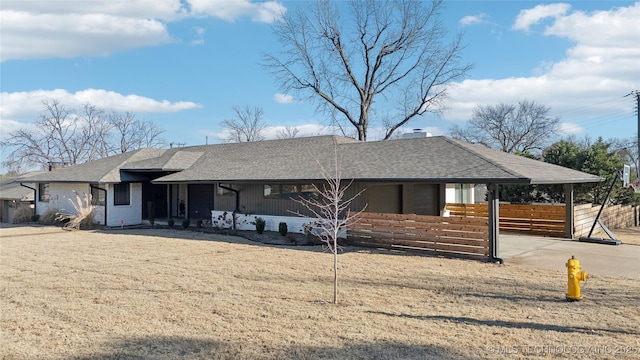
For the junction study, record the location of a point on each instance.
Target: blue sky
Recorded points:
(185, 64)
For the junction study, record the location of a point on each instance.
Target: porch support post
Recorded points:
(169, 202)
(494, 221)
(569, 223)
(442, 198)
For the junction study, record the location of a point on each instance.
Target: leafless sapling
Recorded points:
(333, 207)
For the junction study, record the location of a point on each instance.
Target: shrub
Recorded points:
(171, 222)
(282, 228)
(260, 224)
(23, 214)
(49, 217)
(83, 217)
(185, 223)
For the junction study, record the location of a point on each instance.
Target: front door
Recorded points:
(200, 204)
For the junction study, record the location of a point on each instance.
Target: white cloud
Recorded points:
(586, 86)
(269, 12)
(10, 126)
(473, 19)
(599, 28)
(199, 30)
(28, 35)
(143, 9)
(66, 29)
(529, 17)
(305, 130)
(283, 98)
(231, 10)
(567, 128)
(271, 132)
(26, 106)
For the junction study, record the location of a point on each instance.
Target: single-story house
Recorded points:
(13, 195)
(409, 175)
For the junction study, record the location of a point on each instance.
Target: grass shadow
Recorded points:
(232, 237)
(508, 324)
(190, 349)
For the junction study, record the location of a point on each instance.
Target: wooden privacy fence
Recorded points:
(445, 235)
(547, 220)
(613, 216)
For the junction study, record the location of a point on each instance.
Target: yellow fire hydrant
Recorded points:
(575, 275)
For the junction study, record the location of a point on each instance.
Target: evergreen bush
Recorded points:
(282, 228)
(260, 224)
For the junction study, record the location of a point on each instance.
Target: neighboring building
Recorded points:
(414, 175)
(13, 195)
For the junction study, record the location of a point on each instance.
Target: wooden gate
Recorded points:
(547, 220)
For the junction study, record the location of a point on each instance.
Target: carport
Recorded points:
(508, 169)
(440, 160)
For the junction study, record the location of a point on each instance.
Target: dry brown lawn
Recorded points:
(629, 236)
(165, 294)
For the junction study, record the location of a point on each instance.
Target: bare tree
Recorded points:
(384, 52)
(60, 135)
(628, 150)
(510, 128)
(133, 134)
(289, 132)
(66, 135)
(247, 125)
(333, 208)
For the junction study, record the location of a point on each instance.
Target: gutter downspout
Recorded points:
(105, 201)
(237, 192)
(35, 197)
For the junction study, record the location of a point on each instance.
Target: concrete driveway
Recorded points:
(552, 253)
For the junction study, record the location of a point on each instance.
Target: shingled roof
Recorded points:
(10, 188)
(431, 159)
(101, 171)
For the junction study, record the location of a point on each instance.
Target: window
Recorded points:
(308, 191)
(121, 194)
(97, 196)
(463, 193)
(224, 192)
(272, 191)
(43, 190)
(289, 191)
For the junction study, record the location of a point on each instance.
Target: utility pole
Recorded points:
(637, 95)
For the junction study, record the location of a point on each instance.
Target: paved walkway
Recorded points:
(552, 253)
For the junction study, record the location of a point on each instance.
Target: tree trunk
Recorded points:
(335, 271)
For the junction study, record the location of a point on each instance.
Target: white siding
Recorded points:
(295, 224)
(61, 194)
(61, 197)
(452, 194)
(125, 214)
